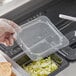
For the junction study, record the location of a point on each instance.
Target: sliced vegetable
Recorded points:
(42, 67)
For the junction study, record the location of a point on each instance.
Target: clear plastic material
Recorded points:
(17, 70)
(40, 38)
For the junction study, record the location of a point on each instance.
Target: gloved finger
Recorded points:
(13, 24)
(11, 40)
(7, 42)
(5, 27)
(2, 38)
(3, 43)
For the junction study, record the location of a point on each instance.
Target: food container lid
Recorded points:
(40, 38)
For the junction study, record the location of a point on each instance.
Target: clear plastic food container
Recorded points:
(40, 38)
(16, 69)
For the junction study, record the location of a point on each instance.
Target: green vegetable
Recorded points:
(42, 67)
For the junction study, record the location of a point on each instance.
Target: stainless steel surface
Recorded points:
(13, 4)
(70, 71)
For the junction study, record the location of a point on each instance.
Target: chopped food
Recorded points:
(41, 67)
(6, 69)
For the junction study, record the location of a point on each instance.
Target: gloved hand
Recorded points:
(7, 31)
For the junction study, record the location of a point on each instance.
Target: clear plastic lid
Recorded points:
(40, 38)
